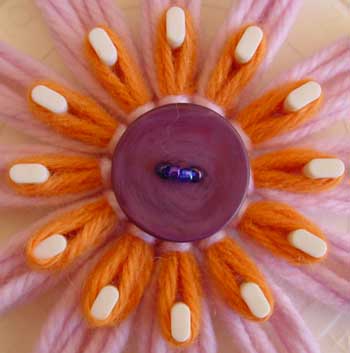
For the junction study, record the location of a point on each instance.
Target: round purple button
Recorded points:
(187, 136)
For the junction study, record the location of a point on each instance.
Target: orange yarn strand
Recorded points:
(176, 68)
(68, 175)
(269, 223)
(85, 120)
(283, 170)
(84, 228)
(229, 77)
(229, 267)
(127, 265)
(178, 281)
(265, 118)
(124, 81)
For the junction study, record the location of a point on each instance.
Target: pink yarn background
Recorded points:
(68, 324)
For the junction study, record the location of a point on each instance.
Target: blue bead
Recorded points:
(163, 170)
(197, 175)
(186, 174)
(174, 172)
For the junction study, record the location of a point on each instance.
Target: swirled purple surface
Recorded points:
(189, 135)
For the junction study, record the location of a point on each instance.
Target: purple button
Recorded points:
(187, 136)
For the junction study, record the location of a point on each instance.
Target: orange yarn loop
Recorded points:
(265, 118)
(178, 281)
(85, 120)
(176, 68)
(68, 175)
(283, 170)
(229, 78)
(128, 266)
(269, 224)
(229, 267)
(124, 81)
(84, 228)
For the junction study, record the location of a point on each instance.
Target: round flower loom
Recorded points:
(180, 192)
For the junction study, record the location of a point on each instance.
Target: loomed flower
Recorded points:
(164, 177)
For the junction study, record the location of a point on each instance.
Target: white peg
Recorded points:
(308, 243)
(175, 27)
(50, 247)
(255, 299)
(49, 99)
(103, 46)
(248, 44)
(29, 173)
(302, 96)
(180, 322)
(105, 302)
(324, 168)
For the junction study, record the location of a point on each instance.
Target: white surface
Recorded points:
(105, 302)
(324, 168)
(49, 99)
(254, 297)
(248, 44)
(308, 243)
(319, 23)
(175, 27)
(180, 318)
(302, 96)
(103, 46)
(52, 246)
(29, 173)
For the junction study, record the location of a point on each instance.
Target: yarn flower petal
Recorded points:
(18, 282)
(334, 198)
(71, 234)
(287, 170)
(284, 232)
(224, 76)
(171, 63)
(278, 123)
(67, 331)
(18, 72)
(70, 23)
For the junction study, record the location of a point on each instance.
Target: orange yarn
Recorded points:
(85, 120)
(84, 228)
(283, 170)
(229, 77)
(178, 281)
(69, 175)
(230, 267)
(127, 265)
(269, 223)
(124, 81)
(176, 68)
(265, 118)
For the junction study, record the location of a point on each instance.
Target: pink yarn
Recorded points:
(9, 198)
(149, 338)
(330, 67)
(336, 201)
(70, 22)
(274, 16)
(322, 281)
(289, 333)
(297, 338)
